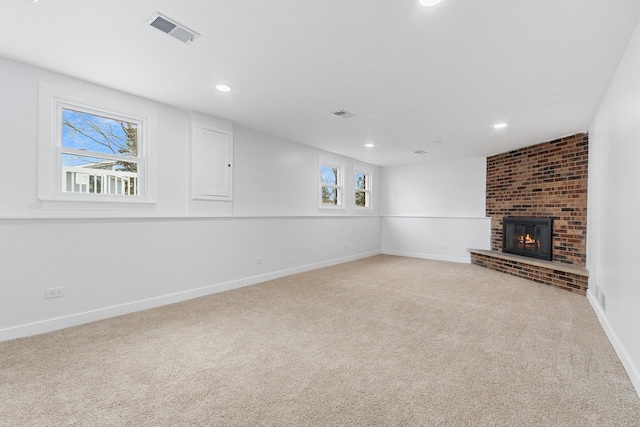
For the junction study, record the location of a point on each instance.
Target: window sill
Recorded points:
(92, 205)
(363, 211)
(326, 209)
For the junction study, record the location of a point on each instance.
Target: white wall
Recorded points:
(444, 238)
(269, 163)
(115, 262)
(115, 266)
(614, 202)
(435, 210)
(448, 188)
(277, 177)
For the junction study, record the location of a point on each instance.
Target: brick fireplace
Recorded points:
(545, 180)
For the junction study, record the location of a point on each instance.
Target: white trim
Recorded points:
(93, 205)
(627, 362)
(436, 217)
(50, 325)
(363, 211)
(170, 218)
(460, 260)
(327, 210)
(200, 192)
(362, 169)
(52, 99)
(340, 206)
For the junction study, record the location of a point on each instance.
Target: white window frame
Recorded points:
(340, 185)
(359, 169)
(53, 99)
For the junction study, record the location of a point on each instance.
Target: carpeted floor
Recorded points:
(383, 341)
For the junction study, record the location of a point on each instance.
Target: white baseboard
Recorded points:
(50, 325)
(627, 363)
(463, 260)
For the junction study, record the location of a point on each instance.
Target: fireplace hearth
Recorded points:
(529, 237)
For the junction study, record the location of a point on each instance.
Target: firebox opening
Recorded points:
(527, 236)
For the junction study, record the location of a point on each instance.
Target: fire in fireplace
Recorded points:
(527, 236)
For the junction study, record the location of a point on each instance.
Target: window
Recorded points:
(363, 189)
(331, 179)
(98, 154)
(94, 148)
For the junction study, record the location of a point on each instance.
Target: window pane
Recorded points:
(329, 196)
(361, 199)
(83, 174)
(84, 131)
(329, 175)
(361, 181)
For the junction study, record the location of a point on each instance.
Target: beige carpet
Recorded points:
(384, 341)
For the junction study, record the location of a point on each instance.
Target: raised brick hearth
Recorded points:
(564, 276)
(543, 180)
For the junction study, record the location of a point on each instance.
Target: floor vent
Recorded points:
(343, 114)
(172, 28)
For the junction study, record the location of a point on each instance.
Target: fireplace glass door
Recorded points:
(527, 236)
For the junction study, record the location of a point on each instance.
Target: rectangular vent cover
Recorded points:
(344, 114)
(172, 28)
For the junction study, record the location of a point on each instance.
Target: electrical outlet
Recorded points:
(259, 260)
(54, 292)
(443, 246)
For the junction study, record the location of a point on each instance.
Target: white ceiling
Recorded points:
(411, 75)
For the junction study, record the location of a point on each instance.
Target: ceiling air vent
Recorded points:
(172, 28)
(344, 114)
(420, 152)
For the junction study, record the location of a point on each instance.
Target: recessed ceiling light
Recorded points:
(500, 125)
(429, 3)
(369, 145)
(32, 1)
(223, 88)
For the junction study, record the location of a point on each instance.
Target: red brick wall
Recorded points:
(544, 180)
